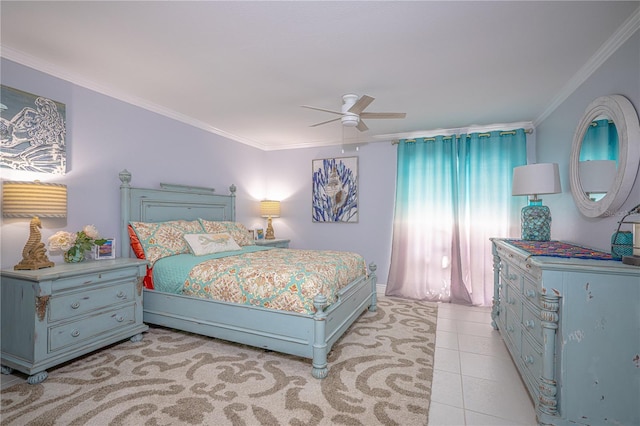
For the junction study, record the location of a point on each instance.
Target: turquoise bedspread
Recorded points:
(273, 278)
(170, 273)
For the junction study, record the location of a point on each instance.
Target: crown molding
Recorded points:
(626, 30)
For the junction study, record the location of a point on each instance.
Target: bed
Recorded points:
(306, 334)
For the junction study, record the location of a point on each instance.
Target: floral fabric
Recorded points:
(281, 279)
(164, 239)
(238, 231)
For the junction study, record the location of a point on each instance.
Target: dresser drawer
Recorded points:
(80, 302)
(531, 323)
(513, 332)
(512, 276)
(530, 290)
(78, 332)
(532, 359)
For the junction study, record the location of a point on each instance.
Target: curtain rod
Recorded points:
(432, 139)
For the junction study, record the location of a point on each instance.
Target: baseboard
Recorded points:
(381, 288)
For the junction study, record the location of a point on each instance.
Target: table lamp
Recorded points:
(269, 209)
(34, 200)
(534, 180)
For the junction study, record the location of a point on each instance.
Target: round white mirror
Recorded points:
(625, 154)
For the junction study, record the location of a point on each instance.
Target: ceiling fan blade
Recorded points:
(361, 126)
(383, 115)
(361, 104)
(321, 109)
(325, 122)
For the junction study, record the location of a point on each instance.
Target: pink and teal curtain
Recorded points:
(452, 194)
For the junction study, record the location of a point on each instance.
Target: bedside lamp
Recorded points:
(596, 176)
(34, 200)
(536, 179)
(269, 209)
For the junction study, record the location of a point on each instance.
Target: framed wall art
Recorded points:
(33, 132)
(335, 190)
(106, 250)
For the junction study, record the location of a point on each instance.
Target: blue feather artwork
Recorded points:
(335, 190)
(32, 132)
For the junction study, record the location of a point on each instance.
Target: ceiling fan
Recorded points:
(352, 112)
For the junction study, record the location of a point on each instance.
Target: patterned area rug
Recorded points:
(380, 372)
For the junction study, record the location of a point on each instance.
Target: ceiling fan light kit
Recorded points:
(352, 112)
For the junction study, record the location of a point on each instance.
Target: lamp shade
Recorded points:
(28, 199)
(270, 208)
(596, 176)
(536, 179)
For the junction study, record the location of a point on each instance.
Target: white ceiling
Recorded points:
(242, 69)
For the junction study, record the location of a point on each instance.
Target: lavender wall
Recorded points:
(104, 136)
(620, 74)
(289, 177)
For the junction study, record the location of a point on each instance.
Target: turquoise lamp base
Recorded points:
(536, 222)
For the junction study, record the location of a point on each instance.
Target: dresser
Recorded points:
(572, 327)
(53, 315)
(278, 242)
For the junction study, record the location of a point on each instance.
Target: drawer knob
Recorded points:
(528, 359)
(511, 301)
(512, 277)
(531, 293)
(529, 323)
(121, 294)
(75, 305)
(75, 332)
(119, 318)
(510, 329)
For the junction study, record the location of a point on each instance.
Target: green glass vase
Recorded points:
(74, 255)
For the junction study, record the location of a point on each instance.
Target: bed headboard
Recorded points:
(170, 202)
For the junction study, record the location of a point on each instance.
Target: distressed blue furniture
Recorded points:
(572, 327)
(307, 336)
(278, 242)
(53, 315)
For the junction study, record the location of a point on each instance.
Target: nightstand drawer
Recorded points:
(76, 332)
(96, 278)
(81, 302)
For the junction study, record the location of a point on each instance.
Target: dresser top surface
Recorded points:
(569, 263)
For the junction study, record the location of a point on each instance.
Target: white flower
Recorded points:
(91, 232)
(62, 241)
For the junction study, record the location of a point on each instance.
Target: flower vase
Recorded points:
(74, 255)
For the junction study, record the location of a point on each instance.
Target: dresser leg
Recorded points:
(137, 338)
(37, 378)
(6, 370)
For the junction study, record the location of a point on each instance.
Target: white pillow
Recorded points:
(201, 244)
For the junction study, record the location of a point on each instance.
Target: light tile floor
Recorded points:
(475, 381)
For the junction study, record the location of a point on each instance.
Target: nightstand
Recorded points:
(50, 316)
(278, 242)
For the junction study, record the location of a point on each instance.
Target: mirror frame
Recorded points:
(625, 117)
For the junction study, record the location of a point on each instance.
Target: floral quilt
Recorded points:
(283, 279)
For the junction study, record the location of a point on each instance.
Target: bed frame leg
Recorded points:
(374, 287)
(320, 368)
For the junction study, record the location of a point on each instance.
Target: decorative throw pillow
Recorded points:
(164, 239)
(201, 244)
(238, 231)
